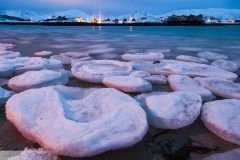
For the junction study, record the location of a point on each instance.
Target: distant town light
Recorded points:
(130, 19)
(80, 19)
(93, 21)
(99, 20)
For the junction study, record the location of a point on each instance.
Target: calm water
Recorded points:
(111, 42)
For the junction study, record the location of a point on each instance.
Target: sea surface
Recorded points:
(111, 42)
(193, 142)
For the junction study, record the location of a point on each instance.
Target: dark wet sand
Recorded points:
(189, 143)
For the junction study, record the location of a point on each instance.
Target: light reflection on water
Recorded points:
(117, 40)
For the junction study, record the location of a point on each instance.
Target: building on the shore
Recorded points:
(185, 19)
(212, 20)
(115, 20)
(79, 19)
(57, 19)
(94, 20)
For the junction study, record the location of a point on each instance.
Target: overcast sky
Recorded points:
(116, 7)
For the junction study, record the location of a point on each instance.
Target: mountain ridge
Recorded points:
(220, 13)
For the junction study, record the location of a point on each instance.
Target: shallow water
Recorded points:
(191, 142)
(110, 42)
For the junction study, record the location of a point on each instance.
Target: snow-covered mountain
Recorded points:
(220, 13)
(26, 15)
(34, 16)
(141, 16)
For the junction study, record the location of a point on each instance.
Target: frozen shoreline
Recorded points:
(192, 142)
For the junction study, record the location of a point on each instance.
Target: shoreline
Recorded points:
(108, 24)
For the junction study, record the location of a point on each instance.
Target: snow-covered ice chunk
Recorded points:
(9, 54)
(105, 119)
(37, 63)
(156, 79)
(73, 61)
(6, 70)
(226, 65)
(24, 64)
(127, 83)
(4, 95)
(141, 99)
(101, 50)
(148, 56)
(237, 61)
(43, 53)
(162, 50)
(173, 110)
(212, 56)
(222, 117)
(221, 87)
(94, 71)
(64, 59)
(169, 67)
(37, 79)
(189, 49)
(139, 74)
(75, 54)
(187, 58)
(34, 154)
(2, 48)
(7, 45)
(185, 83)
(229, 155)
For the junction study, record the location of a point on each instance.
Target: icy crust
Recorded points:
(37, 79)
(37, 63)
(2, 48)
(105, 119)
(24, 64)
(185, 83)
(212, 56)
(222, 118)
(43, 53)
(75, 54)
(6, 70)
(9, 54)
(4, 95)
(161, 50)
(127, 83)
(139, 74)
(186, 58)
(7, 45)
(169, 67)
(226, 65)
(63, 59)
(148, 56)
(94, 71)
(156, 79)
(141, 99)
(174, 110)
(76, 60)
(34, 154)
(189, 49)
(229, 155)
(221, 87)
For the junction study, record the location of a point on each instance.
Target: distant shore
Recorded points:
(114, 24)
